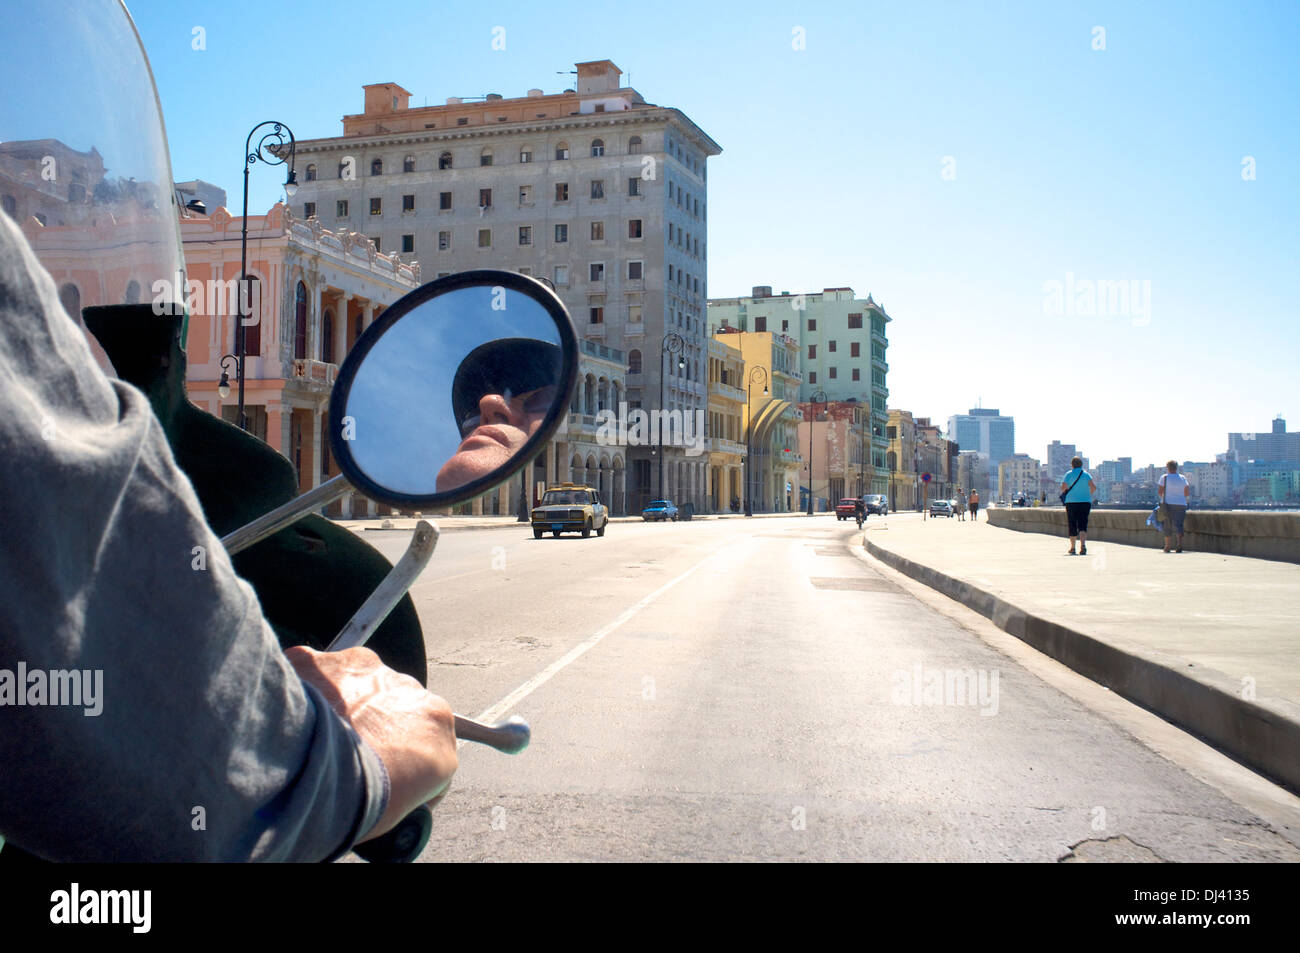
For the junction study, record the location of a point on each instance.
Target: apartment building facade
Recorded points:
(594, 189)
(843, 344)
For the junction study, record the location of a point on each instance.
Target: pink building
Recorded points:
(315, 292)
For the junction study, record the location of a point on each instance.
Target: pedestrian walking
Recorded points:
(1077, 495)
(974, 502)
(959, 505)
(1174, 492)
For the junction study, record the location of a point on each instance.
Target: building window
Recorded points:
(812, 377)
(408, 164)
(812, 352)
(855, 349)
(310, 174)
(377, 167)
(375, 240)
(561, 234)
(833, 375)
(562, 151)
(597, 231)
(525, 234)
(597, 271)
(832, 347)
(670, 272)
(857, 374)
(561, 191)
(634, 228)
(300, 322)
(562, 275)
(484, 198)
(342, 168)
(462, 121)
(485, 157)
(785, 326)
(597, 188)
(634, 185)
(341, 208)
(634, 145)
(597, 314)
(634, 362)
(855, 321)
(444, 201)
(444, 241)
(376, 206)
(525, 195)
(634, 314)
(598, 147)
(485, 238)
(634, 271)
(760, 322)
(812, 324)
(408, 244)
(308, 209)
(444, 161)
(525, 155)
(408, 203)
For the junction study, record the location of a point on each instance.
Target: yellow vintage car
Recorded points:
(570, 508)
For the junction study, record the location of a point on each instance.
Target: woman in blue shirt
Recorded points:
(1078, 489)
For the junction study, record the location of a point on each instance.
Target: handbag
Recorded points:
(1072, 485)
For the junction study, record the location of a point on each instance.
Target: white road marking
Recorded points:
(500, 709)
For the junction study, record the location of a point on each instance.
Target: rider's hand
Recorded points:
(412, 730)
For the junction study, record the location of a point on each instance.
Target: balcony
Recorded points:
(733, 447)
(726, 392)
(582, 426)
(596, 349)
(314, 372)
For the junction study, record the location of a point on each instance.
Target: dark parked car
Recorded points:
(876, 503)
(657, 510)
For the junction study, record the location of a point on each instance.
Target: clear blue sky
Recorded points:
(1122, 164)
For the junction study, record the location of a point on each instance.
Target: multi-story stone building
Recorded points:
(835, 437)
(1019, 473)
(771, 421)
(1059, 456)
(725, 427)
(933, 458)
(315, 291)
(1276, 446)
(903, 459)
(593, 189)
(843, 349)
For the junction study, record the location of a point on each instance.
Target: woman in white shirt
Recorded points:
(1174, 491)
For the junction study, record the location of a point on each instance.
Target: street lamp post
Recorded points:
(754, 375)
(265, 151)
(819, 397)
(672, 343)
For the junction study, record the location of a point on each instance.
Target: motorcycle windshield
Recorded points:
(84, 169)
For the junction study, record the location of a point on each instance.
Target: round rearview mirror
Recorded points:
(453, 389)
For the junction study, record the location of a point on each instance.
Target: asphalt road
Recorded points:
(752, 690)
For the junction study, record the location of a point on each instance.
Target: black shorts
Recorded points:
(1077, 513)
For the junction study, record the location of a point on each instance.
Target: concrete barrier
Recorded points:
(1232, 533)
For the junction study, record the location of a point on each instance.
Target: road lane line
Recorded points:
(499, 710)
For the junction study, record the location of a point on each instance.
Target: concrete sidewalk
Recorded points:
(1209, 642)
(447, 524)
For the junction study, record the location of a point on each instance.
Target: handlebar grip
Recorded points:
(403, 844)
(509, 737)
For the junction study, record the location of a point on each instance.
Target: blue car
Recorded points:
(659, 510)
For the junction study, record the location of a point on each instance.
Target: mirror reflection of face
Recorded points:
(450, 391)
(494, 434)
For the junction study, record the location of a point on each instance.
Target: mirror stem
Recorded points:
(282, 516)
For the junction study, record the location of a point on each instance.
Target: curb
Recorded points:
(1266, 738)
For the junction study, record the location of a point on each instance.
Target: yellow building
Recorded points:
(771, 417)
(725, 426)
(904, 493)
